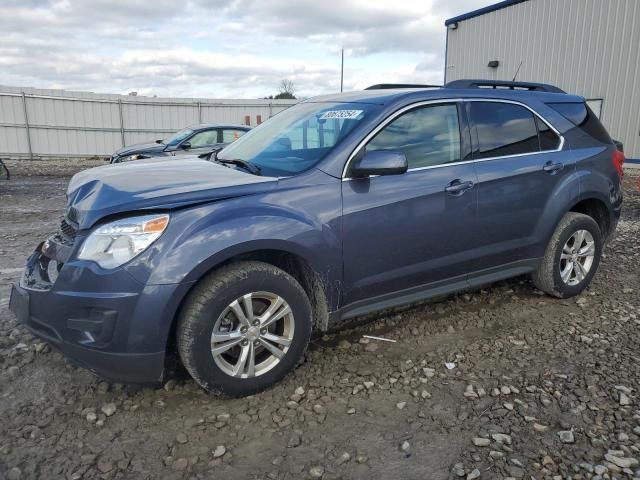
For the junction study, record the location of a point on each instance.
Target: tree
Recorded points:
(287, 90)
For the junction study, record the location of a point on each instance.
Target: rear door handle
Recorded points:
(552, 168)
(457, 187)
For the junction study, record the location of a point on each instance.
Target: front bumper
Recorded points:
(105, 321)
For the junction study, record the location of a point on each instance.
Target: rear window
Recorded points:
(582, 117)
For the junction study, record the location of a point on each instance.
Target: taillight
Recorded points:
(618, 161)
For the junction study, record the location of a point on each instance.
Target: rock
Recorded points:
(344, 458)
(219, 451)
(405, 446)
(475, 473)
(425, 395)
(622, 462)
(624, 399)
(181, 464)
(600, 470)
(91, 417)
(502, 438)
(627, 290)
(429, 372)
(109, 409)
(566, 436)
(181, 438)
(316, 472)
(294, 441)
(368, 385)
(504, 390)
(105, 466)
(401, 405)
(540, 428)
(481, 442)
(371, 347)
(14, 474)
(469, 392)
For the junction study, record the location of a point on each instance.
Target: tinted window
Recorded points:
(549, 140)
(229, 136)
(427, 136)
(581, 116)
(503, 129)
(207, 137)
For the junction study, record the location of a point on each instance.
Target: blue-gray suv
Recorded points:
(336, 207)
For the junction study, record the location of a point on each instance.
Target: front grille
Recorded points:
(67, 233)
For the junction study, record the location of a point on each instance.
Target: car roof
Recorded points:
(407, 95)
(205, 126)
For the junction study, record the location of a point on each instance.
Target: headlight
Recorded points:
(115, 243)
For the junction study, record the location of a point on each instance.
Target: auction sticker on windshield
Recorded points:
(339, 114)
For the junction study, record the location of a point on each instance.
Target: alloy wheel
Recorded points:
(577, 257)
(252, 334)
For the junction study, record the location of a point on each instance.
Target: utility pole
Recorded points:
(342, 69)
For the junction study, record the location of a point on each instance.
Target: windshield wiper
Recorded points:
(237, 162)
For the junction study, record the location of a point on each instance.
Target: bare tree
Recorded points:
(287, 90)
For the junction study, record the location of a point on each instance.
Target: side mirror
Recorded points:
(379, 163)
(185, 146)
(159, 142)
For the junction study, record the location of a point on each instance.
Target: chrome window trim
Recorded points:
(399, 112)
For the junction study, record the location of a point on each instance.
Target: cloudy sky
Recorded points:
(222, 48)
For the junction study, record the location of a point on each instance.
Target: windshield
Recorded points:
(178, 137)
(297, 138)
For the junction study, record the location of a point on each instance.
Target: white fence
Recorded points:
(37, 123)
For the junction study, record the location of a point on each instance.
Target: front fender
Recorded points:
(200, 238)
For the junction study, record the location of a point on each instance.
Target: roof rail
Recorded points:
(496, 84)
(385, 86)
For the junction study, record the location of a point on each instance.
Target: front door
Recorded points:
(405, 231)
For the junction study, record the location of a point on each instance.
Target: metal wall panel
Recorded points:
(587, 47)
(59, 123)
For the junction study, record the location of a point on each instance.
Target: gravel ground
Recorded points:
(540, 387)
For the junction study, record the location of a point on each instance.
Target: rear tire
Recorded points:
(571, 258)
(244, 328)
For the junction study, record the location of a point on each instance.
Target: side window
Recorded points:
(549, 140)
(207, 137)
(427, 136)
(229, 136)
(581, 116)
(503, 129)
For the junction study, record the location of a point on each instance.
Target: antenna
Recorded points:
(341, 68)
(518, 70)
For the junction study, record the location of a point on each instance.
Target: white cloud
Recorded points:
(219, 48)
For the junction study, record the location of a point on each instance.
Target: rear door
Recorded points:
(520, 165)
(403, 232)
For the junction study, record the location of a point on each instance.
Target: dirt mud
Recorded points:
(539, 387)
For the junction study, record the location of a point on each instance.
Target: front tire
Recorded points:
(243, 328)
(571, 258)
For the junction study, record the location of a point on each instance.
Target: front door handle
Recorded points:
(552, 168)
(458, 187)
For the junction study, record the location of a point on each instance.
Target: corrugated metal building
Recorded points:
(586, 47)
(38, 123)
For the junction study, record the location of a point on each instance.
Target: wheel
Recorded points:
(243, 328)
(571, 258)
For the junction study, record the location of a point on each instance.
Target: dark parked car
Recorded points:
(337, 207)
(194, 140)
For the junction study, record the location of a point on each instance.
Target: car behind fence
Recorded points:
(37, 123)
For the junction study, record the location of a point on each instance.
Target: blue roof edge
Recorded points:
(482, 11)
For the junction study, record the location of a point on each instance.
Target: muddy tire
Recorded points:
(571, 258)
(243, 328)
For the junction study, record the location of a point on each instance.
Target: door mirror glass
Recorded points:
(381, 162)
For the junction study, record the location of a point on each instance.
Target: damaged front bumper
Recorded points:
(104, 320)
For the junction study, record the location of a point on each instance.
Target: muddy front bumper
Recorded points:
(106, 321)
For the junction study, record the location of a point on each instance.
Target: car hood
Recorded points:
(150, 184)
(141, 148)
